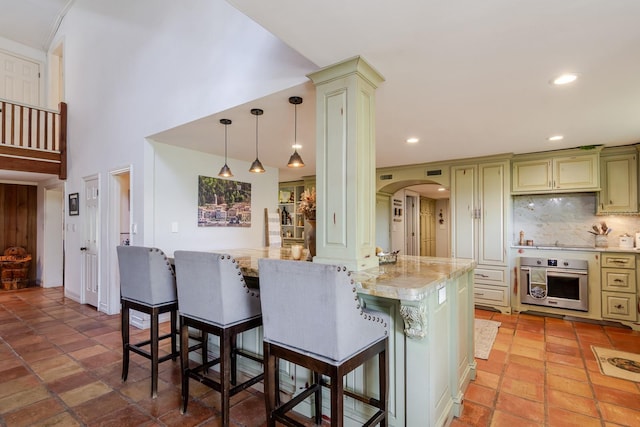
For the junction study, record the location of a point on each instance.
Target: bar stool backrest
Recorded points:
(146, 275)
(211, 288)
(315, 308)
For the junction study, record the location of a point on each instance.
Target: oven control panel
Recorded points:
(570, 264)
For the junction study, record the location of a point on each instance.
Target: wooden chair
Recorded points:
(213, 298)
(312, 318)
(147, 284)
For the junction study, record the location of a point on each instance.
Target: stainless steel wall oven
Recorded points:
(561, 283)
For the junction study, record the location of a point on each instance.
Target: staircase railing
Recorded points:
(33, 139)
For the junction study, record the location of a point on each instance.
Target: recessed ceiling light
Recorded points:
(565, 79)
(556, 138)
(412, 140)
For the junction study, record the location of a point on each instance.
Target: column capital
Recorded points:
(356, 65)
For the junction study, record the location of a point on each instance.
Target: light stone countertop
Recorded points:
(411, 278)
(578, 248)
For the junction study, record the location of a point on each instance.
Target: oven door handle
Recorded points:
(557, 270)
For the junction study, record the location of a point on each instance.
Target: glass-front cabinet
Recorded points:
(291, 222)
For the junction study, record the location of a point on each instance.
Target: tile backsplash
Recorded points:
(565, 219)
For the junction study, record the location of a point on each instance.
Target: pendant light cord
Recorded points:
(256, 136)
(225, 144)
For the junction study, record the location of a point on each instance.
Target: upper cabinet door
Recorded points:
(530, 176)
(619, 176)
(580, 172)
(576, 172)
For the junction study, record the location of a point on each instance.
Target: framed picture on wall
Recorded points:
(73, 204)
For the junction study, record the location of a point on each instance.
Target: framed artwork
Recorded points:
(223, 203)
(73, 204)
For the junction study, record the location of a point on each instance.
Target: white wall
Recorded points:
(136, 68)
(176, 172)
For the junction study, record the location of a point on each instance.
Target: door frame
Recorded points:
(112, 292)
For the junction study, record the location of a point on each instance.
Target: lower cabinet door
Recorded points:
(619, 306)
(490, 295)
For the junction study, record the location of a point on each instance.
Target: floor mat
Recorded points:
(485, 335)
(619, 364)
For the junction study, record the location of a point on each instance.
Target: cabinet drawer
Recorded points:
(490, 275)
(619, 306)
(491, 295)
(619, 280)
(619, 260)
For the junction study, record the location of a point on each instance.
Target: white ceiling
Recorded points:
(468, 78)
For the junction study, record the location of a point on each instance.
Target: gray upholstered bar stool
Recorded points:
(312, 317)
(214, 298)
(147, 284)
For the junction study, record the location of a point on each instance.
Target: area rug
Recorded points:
(485, 335)
(619, 364)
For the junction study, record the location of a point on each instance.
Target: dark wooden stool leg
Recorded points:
(317, 378)
(234, 359)
(276, 374)
(184, 363)
(174, 333)
(226, 350)
(337, 401)
(154, 352)
(205, 349)
(125, 340)
(271, 379)
(383, 373)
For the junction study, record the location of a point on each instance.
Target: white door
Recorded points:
(412, 224)
(20, 79)
(91, 221)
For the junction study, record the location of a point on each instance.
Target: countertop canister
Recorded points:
(626, 241)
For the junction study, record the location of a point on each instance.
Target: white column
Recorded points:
(346, 163)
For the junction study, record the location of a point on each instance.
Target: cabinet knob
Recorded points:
(618, 306)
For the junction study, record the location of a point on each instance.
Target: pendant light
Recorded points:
(295, 161)
(256, 166)
(225, 172)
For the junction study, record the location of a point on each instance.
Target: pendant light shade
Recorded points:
(295, 161)
(225, 172)
(256, 166)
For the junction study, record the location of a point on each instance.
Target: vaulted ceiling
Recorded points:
(466, 78)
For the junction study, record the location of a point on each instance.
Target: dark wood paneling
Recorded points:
(19, 215)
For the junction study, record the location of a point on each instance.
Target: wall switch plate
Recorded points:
(174, 227)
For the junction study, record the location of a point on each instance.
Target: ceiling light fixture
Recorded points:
(556, 138)
(412, 140)
(256, 166)
(225, 172)
(295, 161)
(565, 79)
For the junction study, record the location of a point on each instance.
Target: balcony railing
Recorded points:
(33, 139)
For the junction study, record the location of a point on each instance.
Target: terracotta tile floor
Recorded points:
(60, 365)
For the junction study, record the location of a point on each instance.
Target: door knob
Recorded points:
(83, 249)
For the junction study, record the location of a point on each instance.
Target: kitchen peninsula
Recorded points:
(430, 303)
